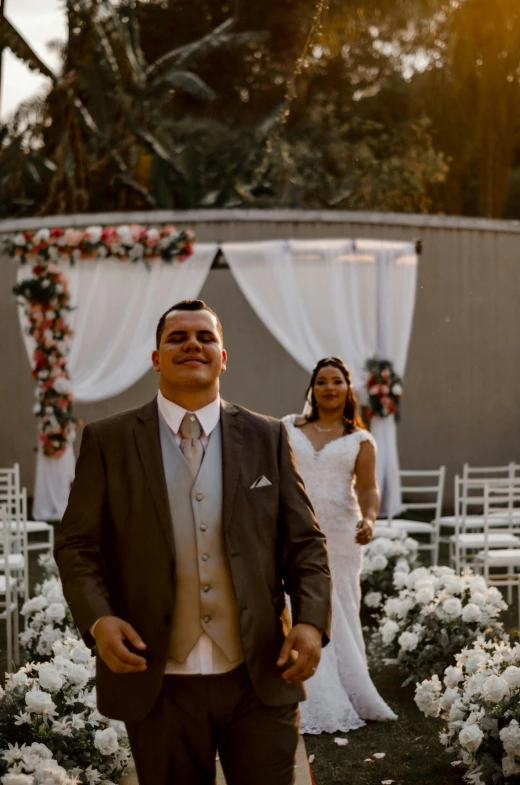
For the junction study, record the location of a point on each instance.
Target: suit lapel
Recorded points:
(149, 447)
(232, 443)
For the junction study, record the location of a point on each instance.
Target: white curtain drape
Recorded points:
(351, 298)
(116, 309)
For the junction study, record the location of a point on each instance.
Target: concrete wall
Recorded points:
(463, 377)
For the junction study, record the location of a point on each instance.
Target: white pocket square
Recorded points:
(261, 482)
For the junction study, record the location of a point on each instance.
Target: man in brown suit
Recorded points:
(186, 524)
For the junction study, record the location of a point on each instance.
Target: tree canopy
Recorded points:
(410, 106)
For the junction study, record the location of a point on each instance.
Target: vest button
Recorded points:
(199, 497)
(205, 557)
(207, 619)
(203, 527)
(206, 588)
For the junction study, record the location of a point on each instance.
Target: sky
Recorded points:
(39, 21)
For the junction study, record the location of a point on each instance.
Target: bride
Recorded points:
(336, 457)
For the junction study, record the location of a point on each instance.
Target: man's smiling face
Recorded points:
(190, 354)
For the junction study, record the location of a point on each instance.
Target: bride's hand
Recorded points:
(364, 531)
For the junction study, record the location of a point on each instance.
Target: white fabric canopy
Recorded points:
(350, 298)
(116, 309)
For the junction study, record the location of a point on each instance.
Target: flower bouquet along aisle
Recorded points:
(389, 553)
(51, 732)
(48, 620)
(435, 615)
(479, 700)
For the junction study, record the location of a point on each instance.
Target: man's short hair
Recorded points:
(186, 305)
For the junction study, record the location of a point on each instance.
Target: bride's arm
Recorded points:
(367, 491)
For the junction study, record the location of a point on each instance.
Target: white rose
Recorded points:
(408, 641)
(389, 630)
(477, 584)
(373, 599)
(20, 240)
(62, 385)
(402, 566)
(495, 688)
(81, 654)
(94, 234)
(392, 606)
(510, 738)
(457, 712)
(478, 599)
(471, 737)
(471, 613)
(453, 585)
(397, 390)
(449, 698)
(427, 696)
(17, 779)
(453, 676)
(425, 595)
(56, 612)
(19, 678)
(400, 580)
(77, 674)
(452, 607)
(106, 741)
(125, 235)
(34, 605)
(379, 562)
(51, 773)
(39, 702)
(510, 766)
(49, 678)
(42, 235)
(512, 676)
(41, 750)
(475, 660)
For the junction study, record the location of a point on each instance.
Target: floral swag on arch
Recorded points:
(46, 300)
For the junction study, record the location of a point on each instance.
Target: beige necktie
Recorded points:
(191, 444)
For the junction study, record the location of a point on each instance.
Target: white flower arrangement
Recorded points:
(479, 699)
(47, 563)
(435, 614)
(390, 552)
(48, 621)
(50, 729)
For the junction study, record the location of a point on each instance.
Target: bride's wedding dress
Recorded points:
(341, 695)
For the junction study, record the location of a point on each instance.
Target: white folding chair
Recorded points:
(9, 594)
(18, 557)
(34, 527)
(470, 475)
(469, 536)
(501, 502)
(427, 486)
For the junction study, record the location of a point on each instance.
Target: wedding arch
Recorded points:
(88, 319)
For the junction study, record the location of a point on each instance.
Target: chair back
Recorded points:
(421, 489)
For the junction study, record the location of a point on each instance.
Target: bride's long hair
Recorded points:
(351, 419)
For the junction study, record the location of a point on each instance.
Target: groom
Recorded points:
(186, 524)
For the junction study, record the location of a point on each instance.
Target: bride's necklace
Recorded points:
(324, 430)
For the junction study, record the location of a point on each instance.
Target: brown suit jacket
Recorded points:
(116, 555)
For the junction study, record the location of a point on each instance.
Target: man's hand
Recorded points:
(364, 531)
(305, 639)
(111, 635)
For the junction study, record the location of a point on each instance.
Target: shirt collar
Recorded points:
(208, 416)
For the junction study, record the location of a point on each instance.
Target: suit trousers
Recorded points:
(196, 716)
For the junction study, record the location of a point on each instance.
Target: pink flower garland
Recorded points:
(46, 298)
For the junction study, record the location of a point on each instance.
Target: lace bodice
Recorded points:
(341, 694)
(328, 474)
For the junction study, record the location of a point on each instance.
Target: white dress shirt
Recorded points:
(205, 658)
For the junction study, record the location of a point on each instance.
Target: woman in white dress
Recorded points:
(336, 457)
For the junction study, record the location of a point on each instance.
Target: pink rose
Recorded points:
(73, 237)
(374, 390)
(386, 402)
(384, 389)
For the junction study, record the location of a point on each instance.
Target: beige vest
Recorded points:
(204, 599)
